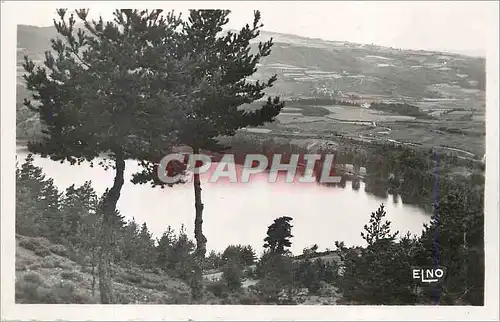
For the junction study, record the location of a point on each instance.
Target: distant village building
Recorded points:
(362, 171)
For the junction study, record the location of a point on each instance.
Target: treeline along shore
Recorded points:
(169, 258)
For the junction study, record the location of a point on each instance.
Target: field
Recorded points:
(459, 131)
(354, 113)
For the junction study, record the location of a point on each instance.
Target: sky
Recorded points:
(457, 26)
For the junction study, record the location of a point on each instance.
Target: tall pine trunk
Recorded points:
(108, 212)
(201, 241)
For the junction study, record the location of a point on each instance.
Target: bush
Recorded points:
(59, 250)
(30, 244)
(268, 290)
(34, 266)
(23, 263)
(42, 251)
(32, 289)
(153, 285)
(249, 273)
(249, 299)
(48, 263)
(87, 269)
(33, 277)
(52, 262)
(231, 275)
(27, 292)
(131, 278)
(218, 288)
(66, 293)
(327, 290)
(36, 245)
(76, 257)
(181, 298)
(71, 275)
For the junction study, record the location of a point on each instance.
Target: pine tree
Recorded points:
(377, 230)
(146, 247)
(130, 242)
(100, 92)
(88, 229)
(455, 239)
(278, 235)
(181, 257)
(38, 210)
(216, 68)
(379, 273)
(164, 247)
(232, 274)
(76, 204)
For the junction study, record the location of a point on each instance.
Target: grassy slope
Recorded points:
(68, 282)
(45, 274)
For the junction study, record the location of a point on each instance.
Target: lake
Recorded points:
(239, 213)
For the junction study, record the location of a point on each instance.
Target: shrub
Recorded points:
(48, 262)
(33, 277)
(178, 298)
(231, 275)
(59, 250)
(27, 288)
(249, 299)
(87, 269)
(327, 290)
(36, 245)
(268, 290)
(53, 261)
(27, 292)
(30, 244)
(131, 278)
(71, 275)
(23, 263)
(249, 273)
(231, 299)
(218, 288)
(47, 296)
(66, 293)
(122, 298)
(42, 251)
(76, 257)
(34, 266)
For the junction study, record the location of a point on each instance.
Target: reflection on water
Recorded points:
(240, 213)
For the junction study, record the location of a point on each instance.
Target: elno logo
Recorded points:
(429, 275)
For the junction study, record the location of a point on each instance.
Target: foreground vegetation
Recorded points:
(58, 246)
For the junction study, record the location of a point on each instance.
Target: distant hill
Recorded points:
(309, 67)
(314, 67)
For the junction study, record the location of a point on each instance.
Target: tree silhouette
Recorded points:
(378, 230)
(99, 93)
(455, 239)
(378, 274)
(278, 235)
(215, 69)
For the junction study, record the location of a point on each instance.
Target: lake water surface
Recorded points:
(240, 213)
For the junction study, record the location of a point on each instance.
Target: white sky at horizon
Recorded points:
(459, 26)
